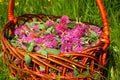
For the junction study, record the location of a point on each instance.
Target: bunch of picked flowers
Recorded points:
(55, 36)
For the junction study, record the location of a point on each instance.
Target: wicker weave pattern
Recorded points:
(96, 58)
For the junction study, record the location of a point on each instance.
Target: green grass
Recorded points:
(86, 10)
(4, 72)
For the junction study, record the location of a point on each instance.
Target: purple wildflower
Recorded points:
(60, 28)
(17, 61)
(27, 39)
(77, 32)
(66, 36)
(21, 35)
(36, 27)
(17, 31)
(20, 42)
(49, 23)
(33, 34)
(61, 68)
(78, 48)
(70, 74)
(38, 41)
(37, 48)
(23, 46)
(42, 71)
(25, 27)
(50, 41)
(21, 31)
(64, 20)
(71, 42)
(66, 47)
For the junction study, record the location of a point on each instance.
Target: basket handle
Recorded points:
(11, 16)
(105, 34)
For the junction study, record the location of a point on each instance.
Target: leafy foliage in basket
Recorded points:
(55, 37)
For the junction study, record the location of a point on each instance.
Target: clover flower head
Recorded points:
(64, 20)
(50, 41)
(36, 27)
(49, 23)
(38, 41)
(60, 28)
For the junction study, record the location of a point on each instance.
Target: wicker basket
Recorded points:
(97, 60)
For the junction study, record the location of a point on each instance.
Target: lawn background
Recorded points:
(86, 10)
